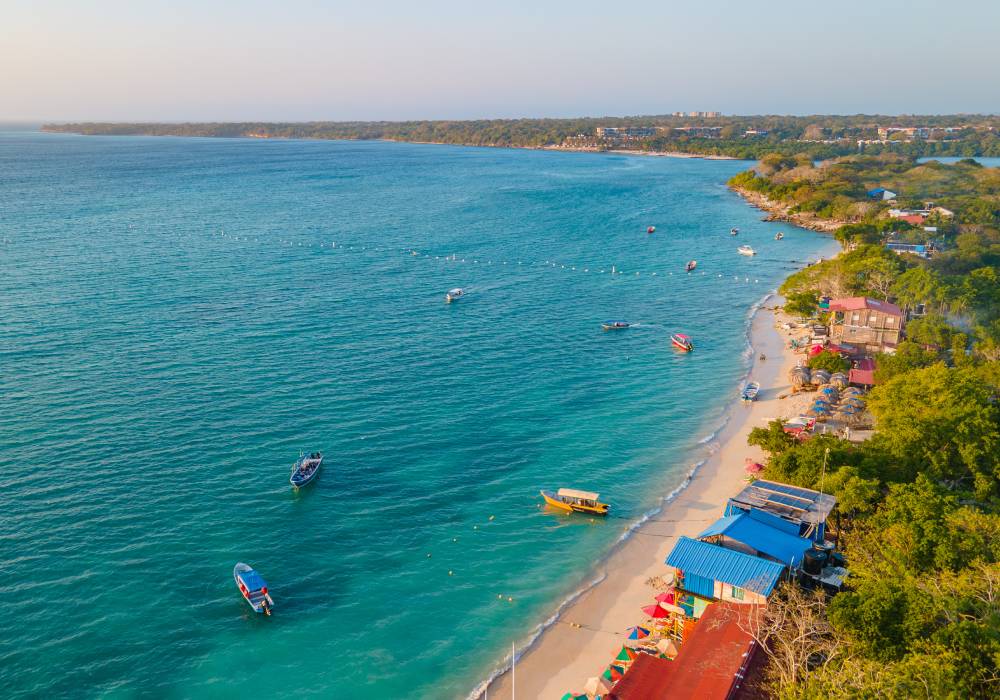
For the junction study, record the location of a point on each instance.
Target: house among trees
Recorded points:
(873, 325)
(704, 572)
(921, 251)
(881, 193)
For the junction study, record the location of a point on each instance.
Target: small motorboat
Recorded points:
(573, 501)
(453, 294)
(746, 250)
(615, 325)
(682, 342)
(651, 229)
(253, 587)
(778, 236)
(734, 231)
(305, 469)
(692, 264)
(750, 391)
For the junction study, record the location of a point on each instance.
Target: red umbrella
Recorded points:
(754, 468)
(815, 349)
(666, 597)
(656, 611)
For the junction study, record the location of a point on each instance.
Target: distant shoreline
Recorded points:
(267, 137)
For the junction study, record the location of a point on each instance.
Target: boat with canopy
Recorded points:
(253, 587)
(574, 501)
(615, 325)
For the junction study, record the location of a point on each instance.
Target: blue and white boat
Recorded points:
(306, 469)
(750, 391)
(253, 587)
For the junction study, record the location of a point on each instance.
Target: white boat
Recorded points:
(453, 294)
(778, 236)
(734, 231)
(692, 264)
(746, 250)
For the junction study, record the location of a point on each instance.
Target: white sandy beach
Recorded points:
(592, 629)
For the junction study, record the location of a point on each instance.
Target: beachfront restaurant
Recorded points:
(712, 664)
(705, 572)
(808, 510)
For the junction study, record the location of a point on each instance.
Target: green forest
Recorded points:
(919, 502)
(816, 136)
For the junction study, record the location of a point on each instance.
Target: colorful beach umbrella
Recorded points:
(613, 673)
(754, 468)
(575, 696)
(665, 597)
(815, 350)
(829, 391)
(626, 654)
(596, 685)
(655, 611)
(637, 632)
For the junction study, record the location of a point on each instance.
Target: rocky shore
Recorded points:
(776, 211)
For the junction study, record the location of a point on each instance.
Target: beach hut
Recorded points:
(806, 508)
(820, 376)
(712, 572)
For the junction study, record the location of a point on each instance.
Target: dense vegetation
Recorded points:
(919, 502)
(817, 136)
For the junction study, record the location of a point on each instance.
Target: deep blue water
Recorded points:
(175, 327)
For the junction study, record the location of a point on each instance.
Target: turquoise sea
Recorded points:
(176, 325)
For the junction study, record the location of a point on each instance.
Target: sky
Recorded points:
(297, 60)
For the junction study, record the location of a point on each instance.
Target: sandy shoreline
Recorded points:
(591, 629)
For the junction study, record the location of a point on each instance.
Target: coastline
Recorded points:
(780, 212)
(589, 629)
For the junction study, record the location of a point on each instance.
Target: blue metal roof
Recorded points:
(252, 580)
(775, 543)
(721, 564)
(775, 521)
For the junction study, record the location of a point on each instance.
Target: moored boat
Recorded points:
(692, 264)
(746, 250)
(734, 231)
(650, 229)
(615, 325)
(750, 391)
(253, 587)
(573, 501)
(453, 294)
(778, 236)
(306, 469)
(682, 342)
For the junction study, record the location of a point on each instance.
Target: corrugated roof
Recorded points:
(721, 564)
(775, 521)
(776, 543)
(858, 303)
(790, 502)
(711, 662)
(861, 376)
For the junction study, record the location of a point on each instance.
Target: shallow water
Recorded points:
(175, 327)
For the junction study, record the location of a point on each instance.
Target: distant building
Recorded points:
(881, 193)
(874, 325)
(696, 115)
(750, 133)
(922, 251)
(625, 132)
(911, 132)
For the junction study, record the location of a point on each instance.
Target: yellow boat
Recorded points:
(573, 501)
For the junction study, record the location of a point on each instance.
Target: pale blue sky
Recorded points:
(300, 60)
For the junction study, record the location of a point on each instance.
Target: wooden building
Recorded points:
(873, 325)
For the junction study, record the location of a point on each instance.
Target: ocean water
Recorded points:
(180, 318)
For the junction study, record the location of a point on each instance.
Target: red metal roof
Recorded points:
(861, 376)
(913, 219)
(865, 363)
(710, 664)
(858, 303)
